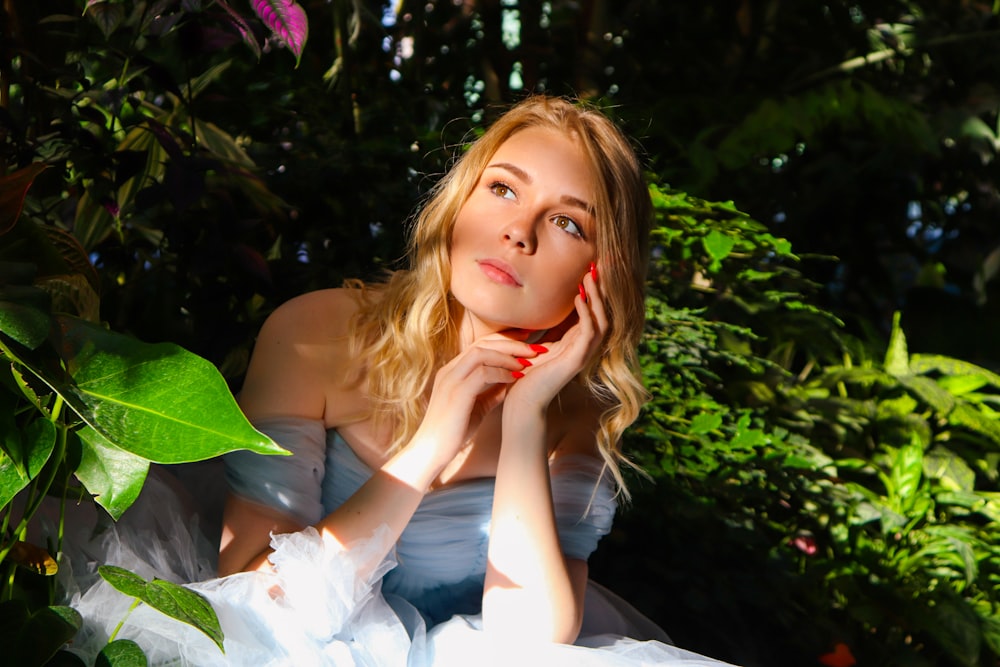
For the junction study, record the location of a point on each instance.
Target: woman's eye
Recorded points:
(567, 225)
(502, 190)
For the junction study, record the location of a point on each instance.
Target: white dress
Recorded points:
(329, 606)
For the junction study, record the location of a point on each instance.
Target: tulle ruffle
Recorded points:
(320, 606)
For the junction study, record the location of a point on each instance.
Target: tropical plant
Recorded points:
(858, 490)
(84, 412)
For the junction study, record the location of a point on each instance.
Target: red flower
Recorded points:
(806, 544)
(841, 656)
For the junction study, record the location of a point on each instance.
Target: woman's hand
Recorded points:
(549, 373)
(468, 388)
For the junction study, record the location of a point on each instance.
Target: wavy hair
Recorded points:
(407, 326)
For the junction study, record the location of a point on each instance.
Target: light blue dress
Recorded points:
(327, 605)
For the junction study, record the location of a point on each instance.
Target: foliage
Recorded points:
(866, 131)
(86, 410)
(857, 491)
(818, 490)
(173, 600)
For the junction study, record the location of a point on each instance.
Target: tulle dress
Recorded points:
(326, 605)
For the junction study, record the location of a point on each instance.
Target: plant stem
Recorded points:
(121, 623)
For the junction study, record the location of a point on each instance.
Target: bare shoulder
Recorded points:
(312, 317)
(300, 356)
(574, 420)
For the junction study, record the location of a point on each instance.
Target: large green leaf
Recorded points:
(157, 401)
(30, 638)
(175, 601)
(113, 476)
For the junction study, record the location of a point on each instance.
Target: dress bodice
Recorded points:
(441, 554)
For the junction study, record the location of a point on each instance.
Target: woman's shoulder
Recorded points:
(322, 314)
(300, 354)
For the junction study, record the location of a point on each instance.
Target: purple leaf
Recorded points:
(287, 21)
(243, 28)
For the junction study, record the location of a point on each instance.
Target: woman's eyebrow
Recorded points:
(526, 178)
(577, 202)
(514, 169)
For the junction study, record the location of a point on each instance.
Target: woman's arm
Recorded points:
(298, 370)
(532, 589)
(284, 379)
(299, 357)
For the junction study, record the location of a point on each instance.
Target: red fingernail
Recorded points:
(583, 293)
(593, 271)
(517, 374)
(538, 349)
(523, 362)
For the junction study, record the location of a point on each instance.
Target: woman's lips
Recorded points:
(500, 272)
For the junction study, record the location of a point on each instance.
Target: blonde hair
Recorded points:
(407, 327)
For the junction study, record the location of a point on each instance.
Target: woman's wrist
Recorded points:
(417, 464)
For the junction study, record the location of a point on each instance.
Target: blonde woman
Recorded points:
(456, 428)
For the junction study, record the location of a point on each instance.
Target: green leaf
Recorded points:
(200, 83)
(705, 423)
(222, 144)
(968, 417)
(926, 363)
(124, 581)
(121, 653)
(187, 606)
(36, 442)
(930, 392)
(907, 471)
(25, 323)
(718, 245)
(113, 476)
(897, 360)
(949, 469)
(962, 384)
(158, 401)
(28, 638)
(10, 436)
(171, 599)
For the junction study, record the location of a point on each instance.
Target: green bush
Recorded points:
(810, 491)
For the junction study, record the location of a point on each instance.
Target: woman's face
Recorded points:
(526, 235)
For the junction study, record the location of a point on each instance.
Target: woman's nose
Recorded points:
(521, 233)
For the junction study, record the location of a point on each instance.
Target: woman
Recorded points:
(455, 429)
